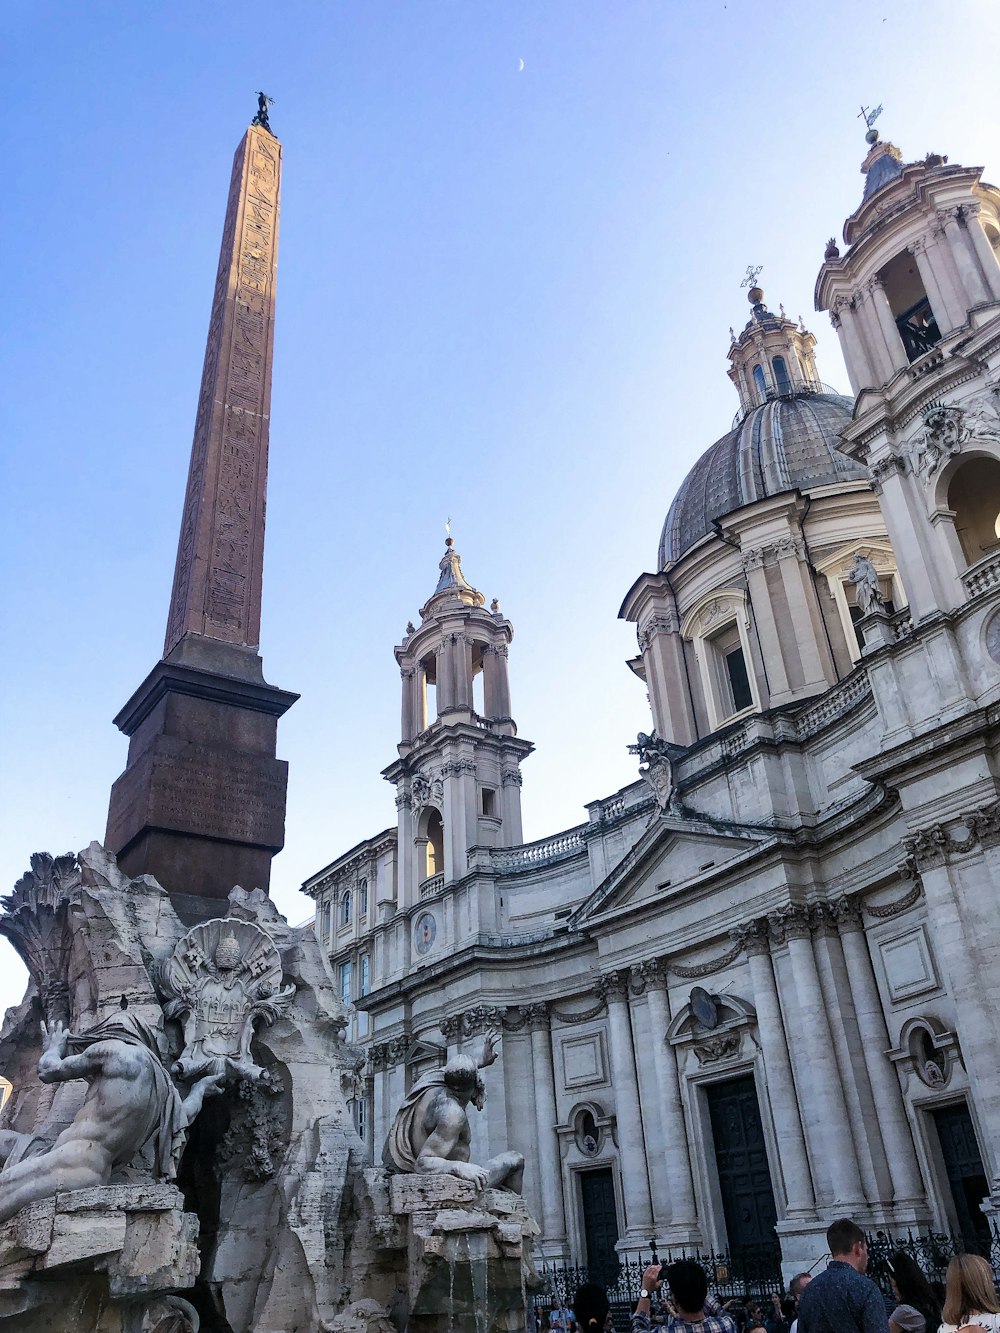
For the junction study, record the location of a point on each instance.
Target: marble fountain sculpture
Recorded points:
(177, 1155)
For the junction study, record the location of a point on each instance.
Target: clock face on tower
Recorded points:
(424, 932)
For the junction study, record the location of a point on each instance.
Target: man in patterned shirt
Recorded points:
(694, 1311)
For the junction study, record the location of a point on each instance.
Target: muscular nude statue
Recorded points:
(431, 1131)
(131, 1101)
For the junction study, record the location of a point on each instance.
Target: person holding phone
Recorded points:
(690, 1309)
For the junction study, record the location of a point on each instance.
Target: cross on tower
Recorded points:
(870, 116)
(753, 272)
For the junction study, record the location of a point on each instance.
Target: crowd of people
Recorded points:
(840, 1299)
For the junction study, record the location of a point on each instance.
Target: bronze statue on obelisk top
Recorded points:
(201, 804)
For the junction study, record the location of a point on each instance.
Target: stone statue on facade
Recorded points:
(131, 1102)
(431, 1131)
(864, 576)
(655, 767)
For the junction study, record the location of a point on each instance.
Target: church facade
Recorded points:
(758, 987)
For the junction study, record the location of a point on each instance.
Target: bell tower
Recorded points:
(458, 775)
(915, 301)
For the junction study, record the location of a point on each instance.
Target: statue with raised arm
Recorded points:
(131, 1102)
(431, 1131)
(864, 576)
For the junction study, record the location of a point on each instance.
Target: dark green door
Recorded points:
(966, 1175)
(744, 1174)
(600, 1223)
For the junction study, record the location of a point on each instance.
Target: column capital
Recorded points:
(613, 985)
(845, 913)
(480, 1018)
(652, 973)
(753, 936)
(536, 1016)
(793, 922)
(663, 622)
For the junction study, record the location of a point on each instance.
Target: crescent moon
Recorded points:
(520, 65)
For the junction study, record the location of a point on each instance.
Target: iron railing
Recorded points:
(932, 1250)
(748, 1276)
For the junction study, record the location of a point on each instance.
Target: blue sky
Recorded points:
(503, 297)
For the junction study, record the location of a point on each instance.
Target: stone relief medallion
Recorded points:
(222, 978)
(424, 932)
(992, 636)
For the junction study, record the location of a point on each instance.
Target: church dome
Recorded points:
(784, 444)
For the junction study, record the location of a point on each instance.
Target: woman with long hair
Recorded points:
(591, 1308)
(917, 1308)
(970, 1295)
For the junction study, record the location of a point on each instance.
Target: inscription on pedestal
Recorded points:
(188, 788)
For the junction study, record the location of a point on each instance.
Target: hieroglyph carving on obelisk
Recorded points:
(220, 555)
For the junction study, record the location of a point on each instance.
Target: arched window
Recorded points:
(781, 376)
(435, 844)
(761, 383)
(346, 904)
(974, 499)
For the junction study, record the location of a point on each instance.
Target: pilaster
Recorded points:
(613, 986)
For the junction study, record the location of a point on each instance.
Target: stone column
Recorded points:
(793, 1162)
(907, 1186)
(855, 357)
(511, 833)
(895, 351)
(929, 277)
(778, 683)
(408, 723)
(964, 256)
(965, 938)
(988, 260)
(460, 650)
(549, 1158)
(826, 1109)
(683, 1227)
(631, 1139)
(871, 332)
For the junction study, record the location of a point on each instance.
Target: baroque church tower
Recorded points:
(458, 775)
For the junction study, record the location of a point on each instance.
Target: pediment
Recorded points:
(674, 852)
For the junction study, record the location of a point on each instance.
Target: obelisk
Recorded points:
(201, 804)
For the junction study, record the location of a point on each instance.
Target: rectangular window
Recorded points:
(729, 672)
(739, 681)
(361, 1115)
(346, 982)
(489, 801)
(365, 977)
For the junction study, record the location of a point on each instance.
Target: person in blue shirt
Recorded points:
(841, 1299)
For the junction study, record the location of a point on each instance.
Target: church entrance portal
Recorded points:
(744, 1175)
(600, 1223)
(966, 1176)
